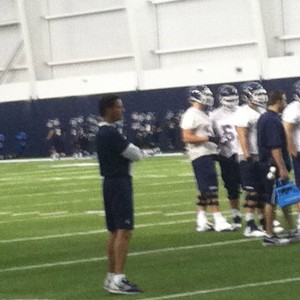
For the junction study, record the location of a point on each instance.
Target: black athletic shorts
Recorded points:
(118, 203)
(205, 174)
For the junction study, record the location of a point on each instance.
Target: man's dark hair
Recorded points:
(105, 102)
(275, 96)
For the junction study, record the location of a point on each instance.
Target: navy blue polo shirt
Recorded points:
(271, 135)
(110, 144)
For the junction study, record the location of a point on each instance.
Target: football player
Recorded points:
(291, 123)
(223, 125)
(255, 97)
(56, 139)
(201, 145)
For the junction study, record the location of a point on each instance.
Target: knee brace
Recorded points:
(205, 199)
(251, 201)
(213, 202)
(201, 200)
(212, 199)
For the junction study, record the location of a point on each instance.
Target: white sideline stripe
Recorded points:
(65, 214)
(96, 259)
(53, 236)
(56, 213)
(181, 213)
(91, 232)
(189, 212)
(226, 288)
(30, 213)
(76, 165)
(95, 199)
(54, 203)
(30, 195)
(95, 212)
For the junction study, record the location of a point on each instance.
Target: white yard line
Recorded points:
(61, 214)
(72, 192)
(138, 253)
(53, 203)
(224, 289)
(91, 232)
(52, 236)
(29, 213)
(55, 213)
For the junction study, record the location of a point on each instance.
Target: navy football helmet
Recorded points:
(228, 96)
(296, 90)
(254, 93)
(201, 94)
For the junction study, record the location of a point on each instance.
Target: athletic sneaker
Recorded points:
(222, 225)
(276, 227)
(204, 226)
(276, 223)
(237, 222)
(293, 236)
(106, 283)
(298, 224)
(124, 288)
(274, 240)
(253, 231)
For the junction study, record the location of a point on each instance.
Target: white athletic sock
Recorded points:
(118, 277)
(260, 216)
(249, 217)
(201, 217)
(217, 216)
(235, 212)
(110, 275)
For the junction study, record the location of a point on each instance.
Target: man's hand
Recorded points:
(283, 174)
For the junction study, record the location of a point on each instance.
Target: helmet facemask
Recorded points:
(202, 95)
(259, 97)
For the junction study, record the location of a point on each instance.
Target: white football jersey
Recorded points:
(224, 126)
(197, 120)
(291, 114)
(247, 117)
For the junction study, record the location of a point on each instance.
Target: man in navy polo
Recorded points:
(115, 156)
(272, 149)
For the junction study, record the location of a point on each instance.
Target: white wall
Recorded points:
(80, 47)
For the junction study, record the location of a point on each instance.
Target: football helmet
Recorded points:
(254, 93)
(228, 96)
(296, 90)
(201, 94)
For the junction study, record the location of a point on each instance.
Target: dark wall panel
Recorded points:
(31, 116)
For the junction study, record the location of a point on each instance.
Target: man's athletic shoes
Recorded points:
(277, 228)
(222, 225)
(274, 240)
(298, 223)
(204, 226)
(123, 287)
(253, 231)
(106, 283)
(237, 222)
(293, 236)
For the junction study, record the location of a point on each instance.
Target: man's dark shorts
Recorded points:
(205, 174)
(231, 175)
(118, 203)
